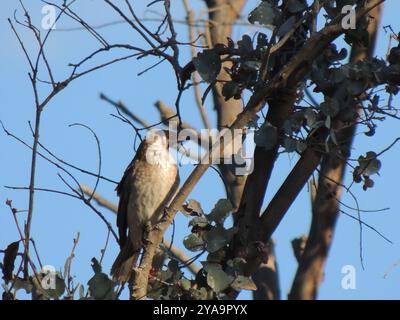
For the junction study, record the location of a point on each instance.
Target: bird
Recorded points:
(148, 185)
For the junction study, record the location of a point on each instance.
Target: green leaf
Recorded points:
(245, 46)
(286, 26)
(217, 256)
(199, 294)
(355, 88)
(193, 207)
(81, 292)
(159, 257)
(217, 278)
(166, 275)
(294, 123)
(20, 283)
(101, 287)
(185, 284)
(173, 265)
(218, 237)
(338, 75)
(266, 136)
(10, 254)
(290, 144)
(236, 265)
(193, 242)
(330, 107)
(96, 265)
(332, 134)
(295, 6)
(208, 65)
(328, 122)
(230, 90)
(201, 222)
(243, 283)
(311, 117)
(221, 210)
(252, 65)
(59, 289)
(265, 14)
(369, 165)
(301, 146)
(42, 291)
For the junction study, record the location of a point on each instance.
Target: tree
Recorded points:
(313, 98)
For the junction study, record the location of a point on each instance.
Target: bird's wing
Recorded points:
(124, 191)
(167, 198)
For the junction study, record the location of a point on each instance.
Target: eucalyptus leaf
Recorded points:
(59, 289)
(328, 122)
(311, 117)
(81, 292)
(201, 222)
(369, 165)
(301, 146)
(266, 136)
(265, 14)
(252, 65)
(220, 211)
(218, 237)
(193, 242)
(217, 278)
(20, 283)
(96, 265)
(355, 88)
(185, 284)
(330, 107)
(338, 75)
(243, 283)
(101, 287)
(199, 294)
(208, 65)
(173, 265)
(10, 254)
(295, 6)
(230, 90)
(332, 134)
(193, 207)
(290, 144)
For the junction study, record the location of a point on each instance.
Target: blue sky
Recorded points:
(57, 219)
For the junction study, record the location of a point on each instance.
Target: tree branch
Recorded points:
(293, 72)
(325, 206)
(177, 253)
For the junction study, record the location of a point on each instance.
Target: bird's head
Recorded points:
(157, 138)
(156, 148)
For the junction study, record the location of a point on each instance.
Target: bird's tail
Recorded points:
(122, 267)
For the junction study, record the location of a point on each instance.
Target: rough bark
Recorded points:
(222, 16)
(266, 278)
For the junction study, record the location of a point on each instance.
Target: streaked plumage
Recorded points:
(146, 188)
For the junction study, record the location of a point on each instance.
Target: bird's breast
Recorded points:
(151, 183)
